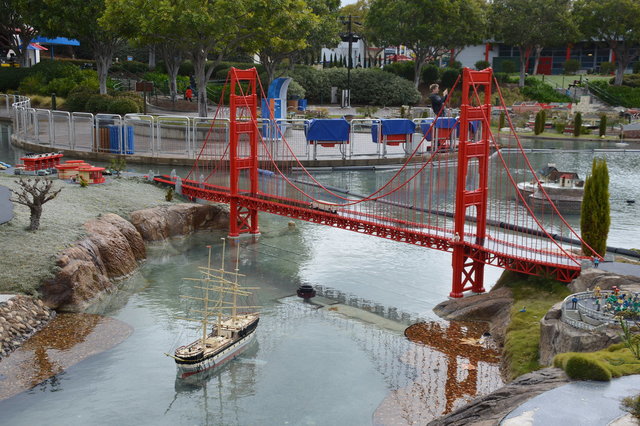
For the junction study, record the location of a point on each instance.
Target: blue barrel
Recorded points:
(302, 104)
(115, 138)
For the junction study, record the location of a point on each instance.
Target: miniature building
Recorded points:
(35, 162)
(91, 174)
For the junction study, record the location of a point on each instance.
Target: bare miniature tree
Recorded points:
(34, 194)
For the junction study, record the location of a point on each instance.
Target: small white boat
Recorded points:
(564, 189)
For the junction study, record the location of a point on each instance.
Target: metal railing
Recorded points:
(174, 136)
(605, 319)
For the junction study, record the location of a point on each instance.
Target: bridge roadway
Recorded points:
(491, 251)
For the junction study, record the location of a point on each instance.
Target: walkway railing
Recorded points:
(606, 319)
(175, 136)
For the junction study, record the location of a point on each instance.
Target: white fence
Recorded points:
(174, 136)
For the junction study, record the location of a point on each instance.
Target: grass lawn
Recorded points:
(565, 80)
(522, 341)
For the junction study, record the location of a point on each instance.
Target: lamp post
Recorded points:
(349, 37)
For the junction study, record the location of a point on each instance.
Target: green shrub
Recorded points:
(402, 69)
(631, 80)
(313, 81)
(10, 78)
(368, 86)
(97, 104)
(56, 69)
(608, 67)
(122, 106)
(449, 77)
(584, 367)
(295, 90)
(161, 81)
(636, 67)
(430, 74)
(501, 120)
(480, 65)
(32, 84)
(571, 66)
(537, 90)
(455, 65)
(78, 97)
(61, 86)
(133, 67)
(626, 96)
(508, 66)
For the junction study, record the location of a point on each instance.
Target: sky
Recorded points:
(346, 2)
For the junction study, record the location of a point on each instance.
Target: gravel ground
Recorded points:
(27, 258)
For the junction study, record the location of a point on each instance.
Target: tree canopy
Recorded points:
(78, 19)
(428, 27)
(614, 22)
(530, 25)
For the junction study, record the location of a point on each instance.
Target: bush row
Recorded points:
(86, 99)
(368, 86)
(628, 95)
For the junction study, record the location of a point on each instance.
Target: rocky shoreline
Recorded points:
(556, 337)
(91, 268)
(20, 318)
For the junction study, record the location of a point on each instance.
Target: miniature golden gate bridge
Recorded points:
(462, 197)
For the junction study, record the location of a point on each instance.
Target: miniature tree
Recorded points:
(595, 217)
(602, 128)
(118, 165)
(34, 194)
(577, 124)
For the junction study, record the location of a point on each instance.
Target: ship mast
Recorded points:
(206, 302)
(234, 308)
(221, 299)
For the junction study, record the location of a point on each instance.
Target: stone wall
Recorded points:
(20, 317)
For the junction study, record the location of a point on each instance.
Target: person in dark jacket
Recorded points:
(437, 101)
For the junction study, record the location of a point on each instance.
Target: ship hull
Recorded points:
(188, 368)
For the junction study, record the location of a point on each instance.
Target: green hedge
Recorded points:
(133, 67)
(86, 99)
(628, 96)
(368, 86)
(542, 92)
(402, 69)
(10, 78)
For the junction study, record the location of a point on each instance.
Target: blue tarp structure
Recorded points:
(393, 126)
(444, 123)
(328, 129)
(60, 41)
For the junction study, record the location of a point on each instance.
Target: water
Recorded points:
(309, 366)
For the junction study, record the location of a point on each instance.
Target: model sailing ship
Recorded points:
(231, 331)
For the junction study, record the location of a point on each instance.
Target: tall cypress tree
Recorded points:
(537, 126)
(577, 124)
(595, 217)
(602, 128)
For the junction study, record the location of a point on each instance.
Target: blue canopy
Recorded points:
(328, 129)
(393, 126)
(58, 40)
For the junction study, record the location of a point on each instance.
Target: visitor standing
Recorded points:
(437, 101)
(596, 261)
(188, 95)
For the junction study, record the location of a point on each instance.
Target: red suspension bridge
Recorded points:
(462, 198)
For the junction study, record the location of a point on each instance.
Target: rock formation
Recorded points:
(492, 408)
(493, 307)
(114, 247)
(557, 336)
(160, 223)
